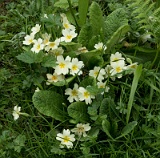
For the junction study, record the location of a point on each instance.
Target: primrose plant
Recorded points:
(79, 77)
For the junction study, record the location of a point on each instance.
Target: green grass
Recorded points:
(135, 133)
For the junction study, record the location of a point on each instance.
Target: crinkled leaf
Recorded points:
(106, 128)
(128, 128)
(30, 57)
(64, 3)
(113, 21)
(78, 111)
(94, 90)
(96, 18)
(88, 81)
(50, 103)
(49, 61)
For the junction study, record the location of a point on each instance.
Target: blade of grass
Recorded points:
(137, 75)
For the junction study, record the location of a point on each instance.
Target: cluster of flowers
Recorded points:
(67, 138)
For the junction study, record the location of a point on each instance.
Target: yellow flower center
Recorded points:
(52, 44)
(95, 73)
(74, 67)
(66, 25)
(66, 139)
(31, 41)
(115, 59)
(74, 92)
(69, 37)
(38, 47)
(118, 69)
(80, 129)
(62, 65)
(46, 41)
(54, 78)
(133, 66)
(86, 94)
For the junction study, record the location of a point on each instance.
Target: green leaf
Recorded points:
(82, 10)
(63, 4)
(85, 35)
(50, 103)
(128, 128)
(30, 57)
(88, 81)
(78, 111)
(114, 21)
(106, 128)
(49, 61)
(96, 18)
(115, 38)
(137, 75)
(94, 90)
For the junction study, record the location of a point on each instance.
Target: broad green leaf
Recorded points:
(49, 61)
(114, 21)
(105, 105)
(78, 111)
(96, 18)
(88, 81)
(127, 129)
(115, 38)
(94, 90)
(106, 128)
(30, 57)
(85, 35)
(50, 103)
(82, 10)
(137, 75)
(64, 3)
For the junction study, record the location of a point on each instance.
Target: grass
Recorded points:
(130, 134)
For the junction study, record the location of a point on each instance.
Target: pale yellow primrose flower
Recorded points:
(76, 67)
(38, 45)
(66, 138)
(73, 93)
(57, 52)
(46, 37)
(116, 57)
(63, 65)
(98, 73)
(81, 129)
(16, 112)
(117, 67)
(54, 78)
(36, 28)
(52, 45)
(84, 95)
(68, 35)
(100, 46)
(103, 85)
(28, 39)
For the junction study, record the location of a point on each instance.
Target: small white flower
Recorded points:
(45, 16)
(57, 52)
(82, 50)
(73, 93)
(38, 45)
(16, 112)
(116, 57)
(84, 95)
(37, 89)
(100, 46)
(81, 129)
(66, 138)
(54, 78)
(97, 73)
(46, 37)
(103, 85)
(145, 37)
(28, 39)
(36, 28)
(76, 67)
(68, 35)
(117, 67)
(63, 65)
(52, 45)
